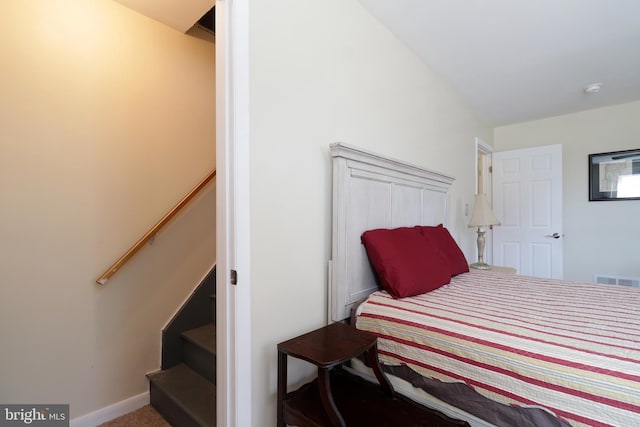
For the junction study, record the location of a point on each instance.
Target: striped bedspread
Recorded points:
(571, 348)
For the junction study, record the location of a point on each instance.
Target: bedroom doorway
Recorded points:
(483, 185)
(527, 198)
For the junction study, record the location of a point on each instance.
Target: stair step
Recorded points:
(183, 397)
(204, 337)
(199, 350)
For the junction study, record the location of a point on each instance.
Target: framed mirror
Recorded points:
(614, 175)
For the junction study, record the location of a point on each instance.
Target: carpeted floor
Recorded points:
(143, 417)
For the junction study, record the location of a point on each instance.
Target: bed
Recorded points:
(492, 349)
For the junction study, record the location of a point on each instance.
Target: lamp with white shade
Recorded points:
(482, 217)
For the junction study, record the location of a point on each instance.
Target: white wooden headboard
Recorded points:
(371, 191)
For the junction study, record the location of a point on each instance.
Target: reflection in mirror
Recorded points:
(614, 176)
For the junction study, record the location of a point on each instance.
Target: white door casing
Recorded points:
(233, 302)
(527, 199)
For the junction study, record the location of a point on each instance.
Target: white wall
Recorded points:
(600, 237)
(322, 73)
(106, 121)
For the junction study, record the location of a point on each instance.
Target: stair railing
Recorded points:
(104, 278)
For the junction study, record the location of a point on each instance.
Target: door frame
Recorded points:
(233, 302)
(484, 151)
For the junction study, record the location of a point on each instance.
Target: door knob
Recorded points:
(554, 235)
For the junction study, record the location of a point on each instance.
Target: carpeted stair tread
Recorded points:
(204, 337)
(190, 392)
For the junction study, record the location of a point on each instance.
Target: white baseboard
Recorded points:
(111, 412)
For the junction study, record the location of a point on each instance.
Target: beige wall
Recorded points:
(321, 74)
(600, 237)
(106, 121)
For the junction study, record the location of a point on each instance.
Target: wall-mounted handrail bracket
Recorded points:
(150, 235)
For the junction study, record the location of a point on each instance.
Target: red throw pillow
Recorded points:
(405, 262)
(441, 237)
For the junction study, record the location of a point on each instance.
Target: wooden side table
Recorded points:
(326, 348)
(498, 269)
(362, 403)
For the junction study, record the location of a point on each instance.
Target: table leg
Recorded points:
(374, 362)
(327, 398)
(282, 387)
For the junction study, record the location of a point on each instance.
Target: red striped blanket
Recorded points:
(571, 348)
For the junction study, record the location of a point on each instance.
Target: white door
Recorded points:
(527, 199)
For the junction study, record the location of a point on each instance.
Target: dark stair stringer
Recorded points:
(184, 390)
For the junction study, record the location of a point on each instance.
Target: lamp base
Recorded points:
(480, 266)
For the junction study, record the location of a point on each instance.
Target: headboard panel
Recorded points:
(371, 191)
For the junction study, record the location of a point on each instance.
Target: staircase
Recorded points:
(184, 390)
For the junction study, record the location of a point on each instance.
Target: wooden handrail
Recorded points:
(153, 231)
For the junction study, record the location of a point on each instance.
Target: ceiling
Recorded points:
(180, 15)
(515, 61)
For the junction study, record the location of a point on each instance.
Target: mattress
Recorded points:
(572, 349)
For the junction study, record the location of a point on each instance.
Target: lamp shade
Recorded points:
(482, 213)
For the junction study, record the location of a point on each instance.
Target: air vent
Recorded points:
(617, 280)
